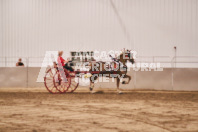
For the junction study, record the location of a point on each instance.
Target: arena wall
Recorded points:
(184, 79)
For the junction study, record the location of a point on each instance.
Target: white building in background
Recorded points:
(29, 28)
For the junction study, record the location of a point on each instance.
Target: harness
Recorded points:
(118, 63)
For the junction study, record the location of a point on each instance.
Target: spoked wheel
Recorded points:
(74, 82)
(62, 81)
(49, 81)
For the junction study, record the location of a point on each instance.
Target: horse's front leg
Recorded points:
(91, 86)
(129, 79)
(118, 83)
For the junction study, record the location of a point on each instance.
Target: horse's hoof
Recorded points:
(93, 92)
(120, 92)
(90, 89)
(123, 82)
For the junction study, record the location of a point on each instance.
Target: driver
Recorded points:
(65, 63)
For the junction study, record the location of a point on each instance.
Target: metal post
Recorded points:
(175, 55)
(153, 59)
(172, 75)
(5, 62)
(172, 79)
(27, 65)
(135, 80)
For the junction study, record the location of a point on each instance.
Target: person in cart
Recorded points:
(67, 64)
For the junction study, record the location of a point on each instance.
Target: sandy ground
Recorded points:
(36, 110)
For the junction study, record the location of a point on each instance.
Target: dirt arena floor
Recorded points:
(35, 110)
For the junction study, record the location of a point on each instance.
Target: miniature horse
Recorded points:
(118, 71)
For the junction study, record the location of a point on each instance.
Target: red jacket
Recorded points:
(61, 60)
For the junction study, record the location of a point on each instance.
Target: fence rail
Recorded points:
(165, 61)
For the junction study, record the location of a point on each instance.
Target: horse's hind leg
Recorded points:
(91, 85)
(92, 80)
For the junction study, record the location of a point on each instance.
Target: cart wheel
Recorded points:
(62, 84)
(74, 82)
(49, 81)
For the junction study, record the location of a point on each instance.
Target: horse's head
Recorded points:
(126, 56)
(130, 57)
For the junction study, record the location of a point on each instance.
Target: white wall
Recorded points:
(30, 27)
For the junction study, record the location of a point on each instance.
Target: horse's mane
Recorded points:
(118, 56)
